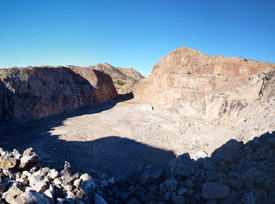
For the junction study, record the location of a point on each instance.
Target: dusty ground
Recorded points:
(115, 138)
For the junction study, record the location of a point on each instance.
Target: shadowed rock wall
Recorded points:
(32, 93)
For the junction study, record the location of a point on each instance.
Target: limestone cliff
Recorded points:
(32, 93)
(184, 70)
(205, 87)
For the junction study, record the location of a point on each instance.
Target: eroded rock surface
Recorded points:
(33, 93)
(125, 79)
(207, 87)
(184, 70)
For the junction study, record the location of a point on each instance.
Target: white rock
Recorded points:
(49, 195)
(36, 177)
(68, 187)
(70, 195)
(53, 174)
(199, 154)
(85, 177)
(12, 193)
(147, 107)
(26, 173)
(57, 181)
(77, 182)
(40, 186)
(28, 159)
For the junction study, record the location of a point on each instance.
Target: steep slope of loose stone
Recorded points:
(32, 93)
(124, 79)
(205, 87)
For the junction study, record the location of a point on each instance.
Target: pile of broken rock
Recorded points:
(235, 173)
(23, 181)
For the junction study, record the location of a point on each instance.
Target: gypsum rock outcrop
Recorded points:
(195, 84)
(33, 93)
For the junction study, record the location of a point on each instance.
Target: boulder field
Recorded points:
(234, 173)
(36, 92)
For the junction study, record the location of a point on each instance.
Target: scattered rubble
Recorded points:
(23, 181)
(235, 173)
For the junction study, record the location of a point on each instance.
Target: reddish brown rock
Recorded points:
(32, 93)
(189, 73)
(124, 79)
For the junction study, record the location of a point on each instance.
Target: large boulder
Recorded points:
(32, 93)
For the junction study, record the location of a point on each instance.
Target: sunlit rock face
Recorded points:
(125, 79)
(204, 86)
(32, 93)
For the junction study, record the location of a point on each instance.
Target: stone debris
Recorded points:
(235, 173)
(23, 181)
(147, 107)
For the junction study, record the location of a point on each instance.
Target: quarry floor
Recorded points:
(115, 138)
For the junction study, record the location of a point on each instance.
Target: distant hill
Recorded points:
(124, 79)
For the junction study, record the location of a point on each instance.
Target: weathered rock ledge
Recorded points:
(208, 88)
(235, 173)
(186, 70)
(33, 93)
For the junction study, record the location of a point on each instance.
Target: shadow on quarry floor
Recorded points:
(112, 154)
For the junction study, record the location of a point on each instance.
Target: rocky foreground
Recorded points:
(235, 173)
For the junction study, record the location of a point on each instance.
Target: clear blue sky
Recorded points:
(132, 33)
